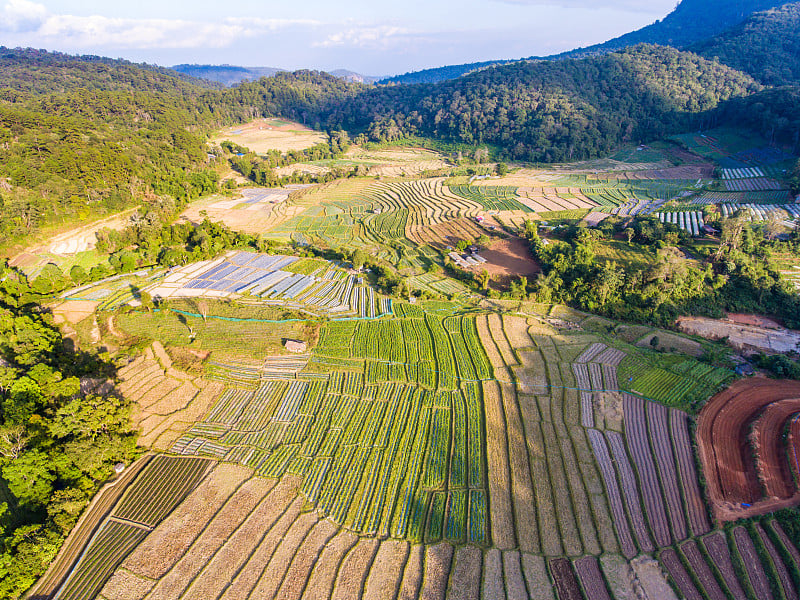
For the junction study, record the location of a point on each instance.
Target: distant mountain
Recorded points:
(354, 77)
(227, 75)
(231, 75)
(690, 22)
(766, 46)
(440, 74)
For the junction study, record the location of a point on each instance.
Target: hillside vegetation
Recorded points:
(767, 46)
(554, 111)
(690, 22)
(81, 137)
(85, 136)
(40, 72)
(440, 74)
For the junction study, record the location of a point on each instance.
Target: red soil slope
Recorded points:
(729, 462)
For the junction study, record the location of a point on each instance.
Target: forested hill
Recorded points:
(81, 137)
(766, 45)
(440, 74)
(39, 72)
(88, 137)
(553, 110)
(690, 22)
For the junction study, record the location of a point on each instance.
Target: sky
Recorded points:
(372, 37)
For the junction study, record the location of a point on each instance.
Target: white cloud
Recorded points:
(36, 23)
(654, 6)
(364, 37)
(22, 15)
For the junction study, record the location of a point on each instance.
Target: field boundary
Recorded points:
(84, 530)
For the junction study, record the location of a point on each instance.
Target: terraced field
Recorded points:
(431, 453)
(438, 450)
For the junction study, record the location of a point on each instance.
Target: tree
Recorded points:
(13, 439)
(608, 282)
(501, 169)
(654, 341)
(147, 301)
(629, 233)
(202, 306)
(773, 225)
(484, 279)
(30, 478)
(359, 259)
(462, 245)
(91, 417)
(732, 233)
(519, 288)
(78, 275)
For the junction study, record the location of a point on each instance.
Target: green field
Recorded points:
(625, 255)
(225, 338)
(381, 448)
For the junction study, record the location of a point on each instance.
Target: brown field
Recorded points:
(167, 401)
(507, 259)
(263, 135)
(257, 217)
(754, 321)
(446, 234)
(405, 162)
(73, 311)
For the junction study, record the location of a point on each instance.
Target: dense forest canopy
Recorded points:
(554, 111)
(767, 46)
(774, 113)
(42, 72)
(83, 136)
(690, 22)
(60, 437)
(439, 74)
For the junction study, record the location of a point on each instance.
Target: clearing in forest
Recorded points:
(263, 135)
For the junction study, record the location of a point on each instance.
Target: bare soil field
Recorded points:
(594, 219)
(448, 233)
(507, 259)
(754, 321)
(254, 211)
(743, 337)
(523, 178)
(74, 311)
(263, 135)
(730, 465)
(397, 163)
(167, 400)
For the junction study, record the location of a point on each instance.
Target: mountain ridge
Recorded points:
(232, 75)
(690, 22)
(766, 46)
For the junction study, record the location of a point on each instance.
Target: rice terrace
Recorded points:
(525, 330)
(443, 447)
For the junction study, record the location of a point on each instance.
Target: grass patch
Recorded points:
(625, 255)
(223, 338)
